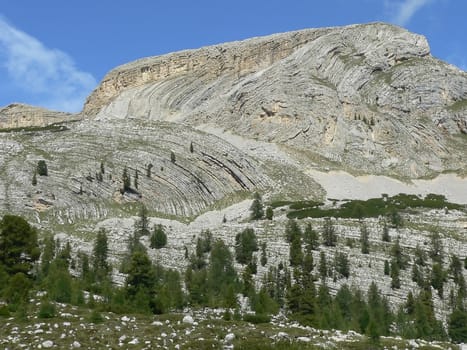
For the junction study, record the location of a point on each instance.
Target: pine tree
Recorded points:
(385, 237)
(420, 256)
(135, 181)
(102, 168)
(19, 248)
(342, 265)
(457, 326)
(48, 254)
(438, 278)
(417, 276)
(158, 238)
(126, 180)
(436, 250)
(396, 253)
(191, 147)
(221, 275)
(42, 168)
(100, 253)
(141, 279)
(245, 245)
(292, 231)
(172, 156)
(395, 218)
(308, 264)
(395, 275)
(295, 251)
(148, 170)
(269, 213)
(256, 208)
(323, 266)
(34, 178)
(329, 233)
(311, 238)
(264, 257)
(386, 268)
(364, 239)
(142, 224)
(455, 268)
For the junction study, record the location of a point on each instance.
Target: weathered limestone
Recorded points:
(24, 116)
(369, 98)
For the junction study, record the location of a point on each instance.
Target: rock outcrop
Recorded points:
(369, 98)
(16, 116)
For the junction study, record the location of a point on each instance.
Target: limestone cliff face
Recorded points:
(368, 97)
(24, 116)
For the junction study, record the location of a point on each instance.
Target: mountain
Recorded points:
(369, 97)
(317, 115)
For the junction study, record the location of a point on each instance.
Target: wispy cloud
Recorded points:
(47, 76)
(403, 11)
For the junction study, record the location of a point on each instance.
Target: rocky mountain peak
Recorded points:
(369, 97)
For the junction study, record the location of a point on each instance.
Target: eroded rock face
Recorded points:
(369, 97)
(25, 116)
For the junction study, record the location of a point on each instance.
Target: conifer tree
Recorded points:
(323, 267)
(420, 256)
(329, 233)
(364, 239)
(457, 326)
(398, 257)
(292, 231)
(148, 170)
(100, 252)
(264, 257)
(34, 178)
(245, 245)
(221, 275)
(311, 238)
(395, 275)
(385, 237)
(48, 254)
(342, 265)
(256, 208)
(438, 278)
(126, 180)
(269, 213)
(455, 268)
(295, 251)
(158, 237)
(19, 248)
(436, 249)
(135, 181)
(42, 168)
(386, 268)
(142, 224)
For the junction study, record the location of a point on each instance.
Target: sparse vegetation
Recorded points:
(375, 207)
(42, 168)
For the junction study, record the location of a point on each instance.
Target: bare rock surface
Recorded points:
(24, 116)
(368, 98)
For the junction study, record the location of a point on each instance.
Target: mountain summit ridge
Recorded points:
(369, 97)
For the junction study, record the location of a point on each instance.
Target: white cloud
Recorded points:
(404, 10)
(47, 76)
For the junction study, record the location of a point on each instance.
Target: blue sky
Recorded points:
(53, 52)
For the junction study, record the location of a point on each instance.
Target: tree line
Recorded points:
(29, 265)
